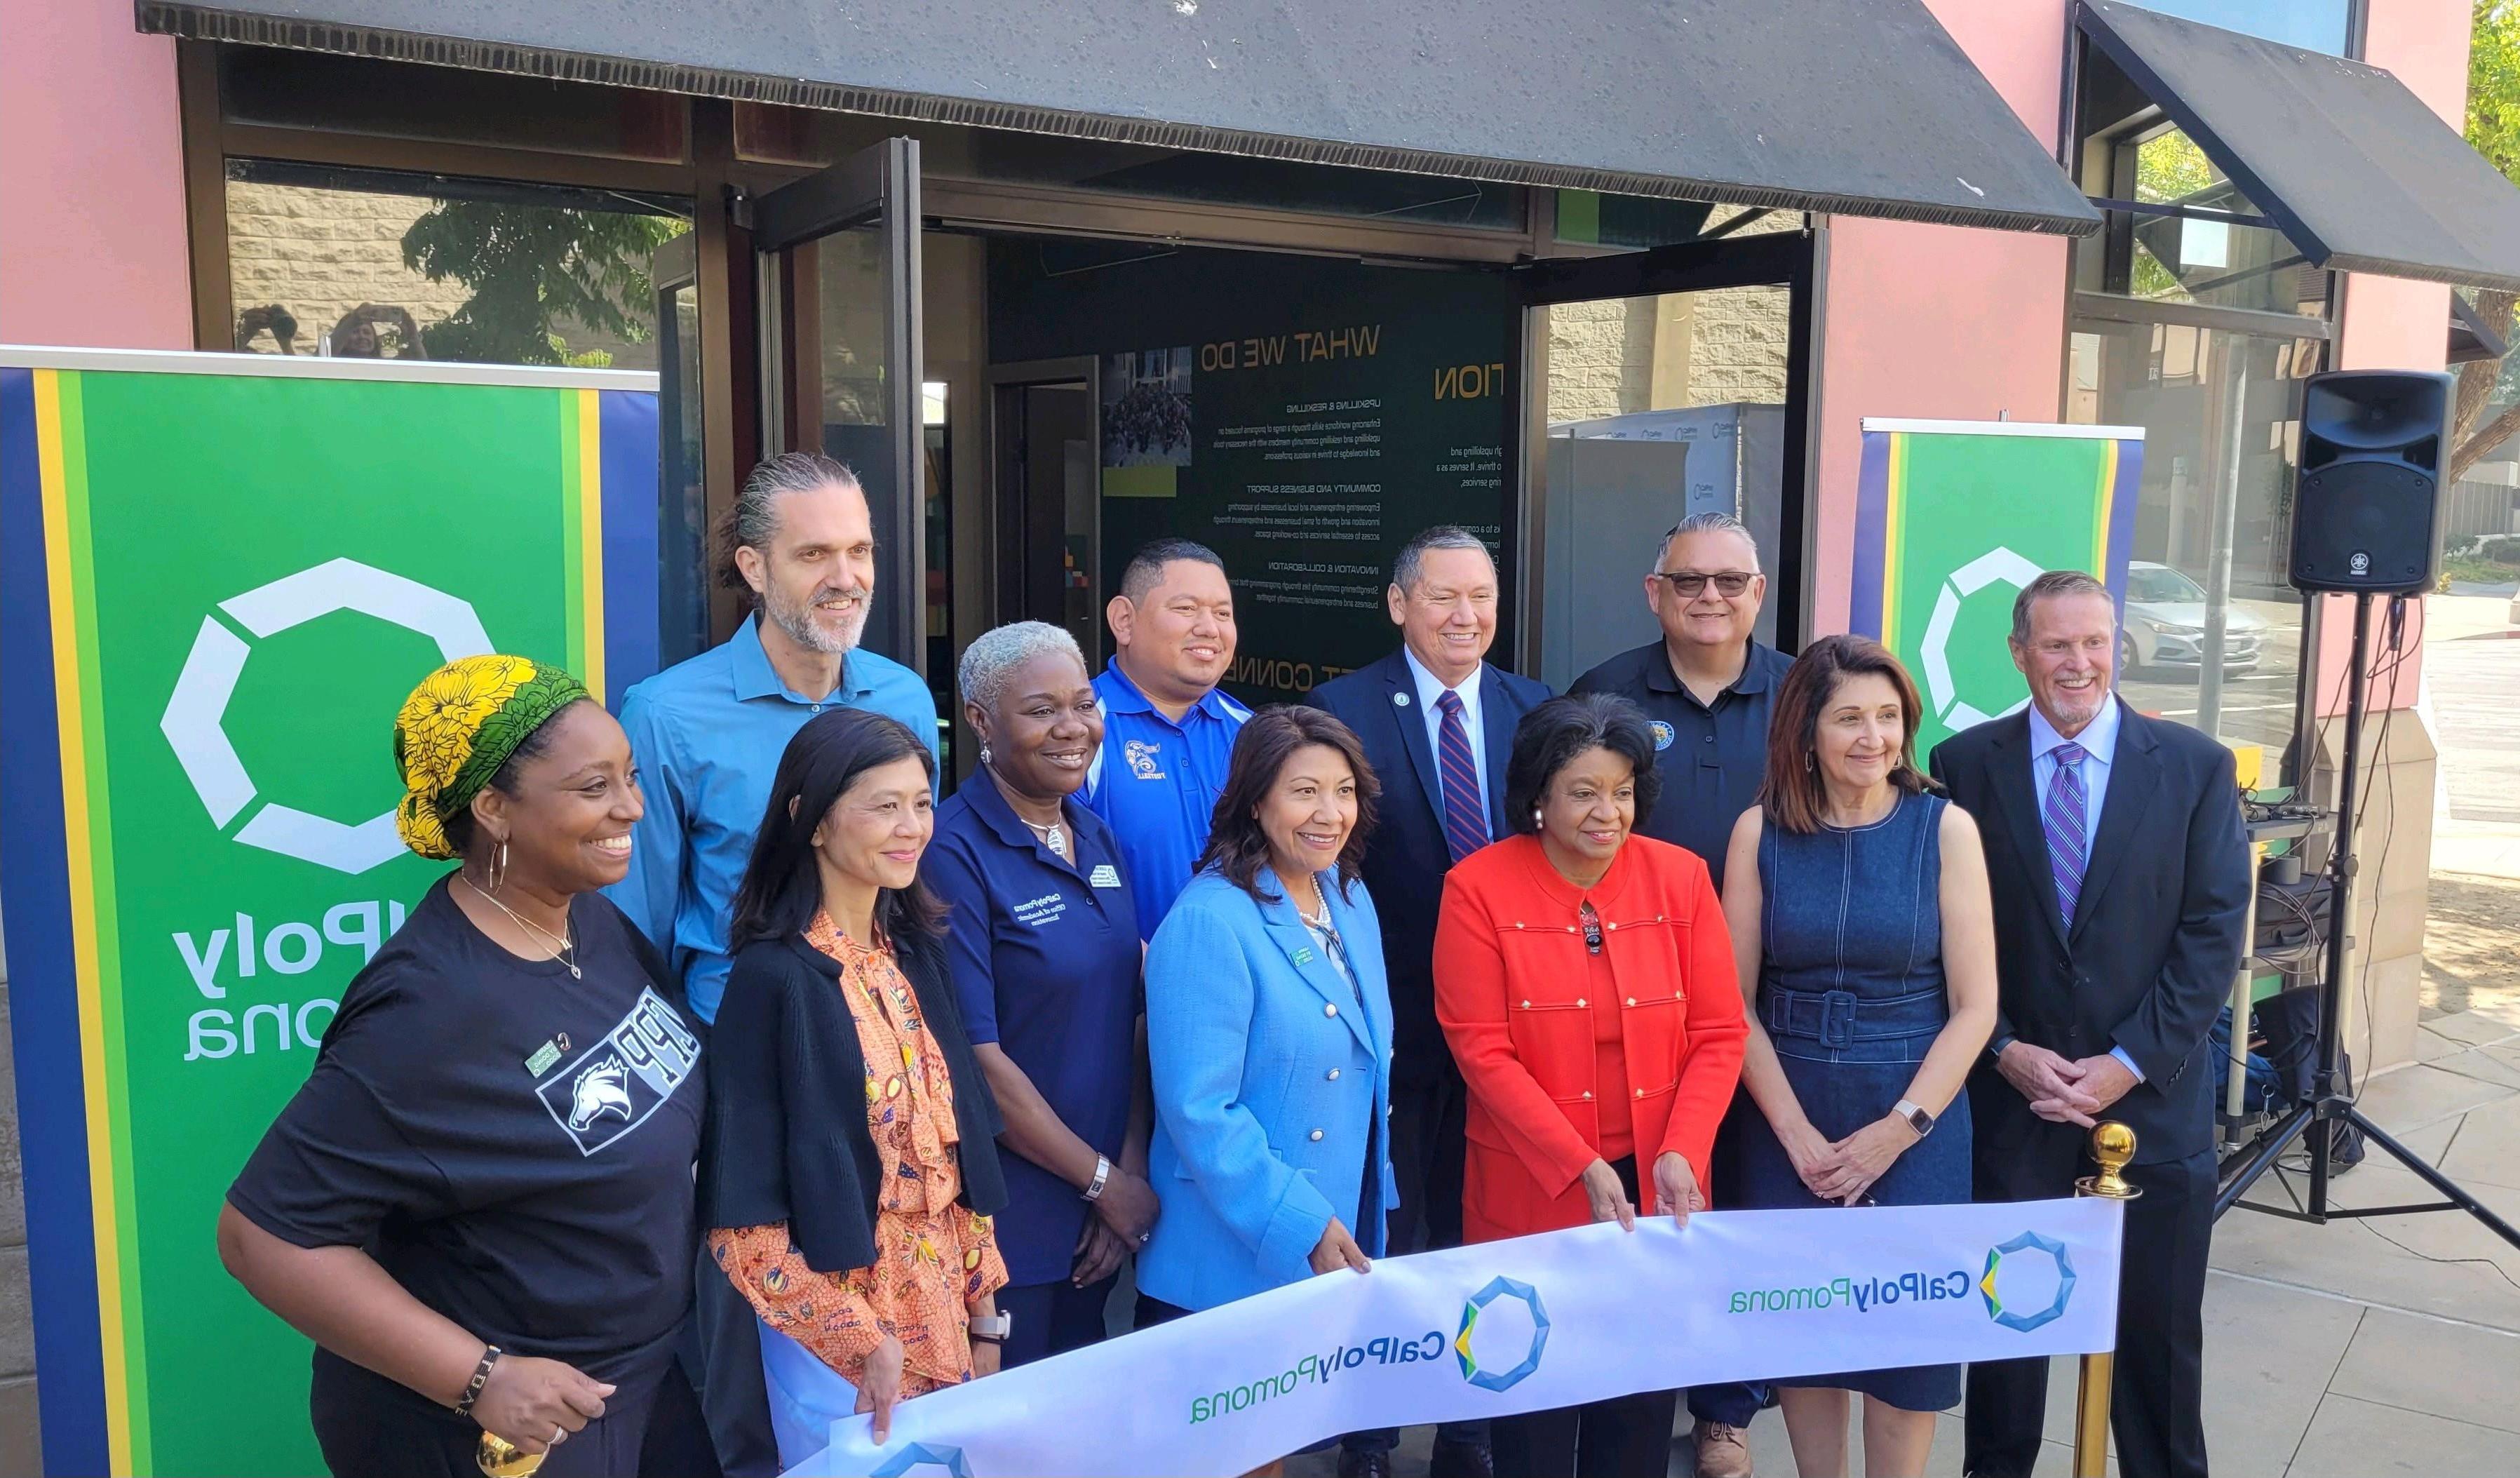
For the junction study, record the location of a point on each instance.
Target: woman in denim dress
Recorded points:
(1858, 906)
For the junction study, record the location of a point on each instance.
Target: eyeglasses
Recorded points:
(1592, 929)
(1688, 583)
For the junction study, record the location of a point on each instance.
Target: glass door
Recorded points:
(1045, 488)
(839, 290)
(681, 498)
(1663, 384)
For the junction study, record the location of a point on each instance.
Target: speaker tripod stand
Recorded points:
(2315, 1123)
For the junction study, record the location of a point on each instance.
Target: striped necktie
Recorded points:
(1466, 809)
(2067, 822)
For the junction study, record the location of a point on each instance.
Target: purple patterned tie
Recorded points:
(2068, 830)
(1465, 810)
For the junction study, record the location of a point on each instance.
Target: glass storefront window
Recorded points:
(1658, 407)
(2213, 629)
(2166, 257)
(368, 264)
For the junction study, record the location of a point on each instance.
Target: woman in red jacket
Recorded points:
(1585, 980)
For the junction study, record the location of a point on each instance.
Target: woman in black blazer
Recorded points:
(850, 1166)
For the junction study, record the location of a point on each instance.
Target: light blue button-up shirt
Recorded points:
(2099, 742)
(707, 734)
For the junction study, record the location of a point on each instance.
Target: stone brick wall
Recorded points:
(320, 253)
(1615, 356)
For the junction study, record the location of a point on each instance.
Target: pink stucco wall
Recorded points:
(92, 238)
(1932, 321)
(2392, 324)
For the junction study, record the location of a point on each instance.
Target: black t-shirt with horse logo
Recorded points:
(513, 1143)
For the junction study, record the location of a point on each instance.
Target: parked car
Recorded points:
(2165, 625)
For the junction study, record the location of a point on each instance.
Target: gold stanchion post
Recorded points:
(2112, 1144)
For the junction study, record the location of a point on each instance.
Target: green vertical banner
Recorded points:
(1953, 518)
(224, 575)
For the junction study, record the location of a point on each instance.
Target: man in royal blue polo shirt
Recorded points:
(1167, 731)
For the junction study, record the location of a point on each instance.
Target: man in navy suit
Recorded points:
(2121, 882)
(1437, 722)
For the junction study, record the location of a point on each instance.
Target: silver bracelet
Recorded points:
(1101, 1178)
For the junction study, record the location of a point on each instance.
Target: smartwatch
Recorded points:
(992, 1329)
(1918, 1119)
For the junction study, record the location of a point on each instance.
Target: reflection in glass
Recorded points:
(681, 509)
(2213, 628)
(364, 264)
(1658, 407)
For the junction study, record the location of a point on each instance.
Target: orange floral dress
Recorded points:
(933, 1256)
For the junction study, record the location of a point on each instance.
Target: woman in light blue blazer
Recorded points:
(1269, 1031)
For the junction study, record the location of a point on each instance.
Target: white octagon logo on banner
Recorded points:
(196, 711)
(1997, 566)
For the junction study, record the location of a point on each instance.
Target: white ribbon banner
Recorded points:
(1502, 1327)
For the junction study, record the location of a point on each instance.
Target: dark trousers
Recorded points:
(1052, 1319)
(1625, 1437)
(2155, 1409)
(722, 1347)
(1429, 1106)
(1733, 1402)
(367, 1424)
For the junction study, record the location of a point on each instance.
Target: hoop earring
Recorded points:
(1809, 761)
(497, 868)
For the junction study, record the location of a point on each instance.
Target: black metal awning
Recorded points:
(2352, 167)
(1860, 107)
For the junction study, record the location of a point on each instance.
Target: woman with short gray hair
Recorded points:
(1041, 938)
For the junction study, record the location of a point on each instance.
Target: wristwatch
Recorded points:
(1918, 1119)
(992, 1329)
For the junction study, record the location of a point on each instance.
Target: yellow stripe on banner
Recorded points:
(589, 516)
(1893, 492)
(79, 839)
(2108, 513)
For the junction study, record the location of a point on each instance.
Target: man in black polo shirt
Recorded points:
(1707, 689)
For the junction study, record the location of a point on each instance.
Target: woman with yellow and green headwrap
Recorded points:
(479, 1205)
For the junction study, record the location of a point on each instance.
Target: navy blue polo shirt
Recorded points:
(1045, 959)
(1157, 782)
(1711, 757)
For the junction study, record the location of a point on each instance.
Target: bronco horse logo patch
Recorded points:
(618, 1081)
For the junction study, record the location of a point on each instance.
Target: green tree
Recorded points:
(2488, 408)
(532, 268)
(2169, 169)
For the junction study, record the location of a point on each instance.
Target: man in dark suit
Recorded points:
(2121, 883)
(1437, 724)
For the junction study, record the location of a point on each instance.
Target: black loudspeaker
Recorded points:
(2372, 448)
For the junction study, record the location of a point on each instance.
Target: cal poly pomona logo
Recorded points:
(197, 712)
(1502, 1369)
(2024, 1252)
